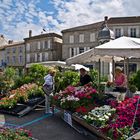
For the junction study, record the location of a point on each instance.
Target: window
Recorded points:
(20, 59)
(35, 55)
(133, 32)
(117, 32)
(42, 44)
(8, 59)
(49, 44)
(2, 62)
(14, 50)
(14, 59)
(28, 58)
(43, 57)
(8, 50)
(77, 50)
(28, 47)
(46, 56)
(81, 50)
(35, 45)
(81, 38)
(72, 52)
(71, 39)
(92, 37)
(20, 49)
(46, 44)
(38, 45)
(40, 57)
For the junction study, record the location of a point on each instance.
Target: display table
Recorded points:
(119, 96)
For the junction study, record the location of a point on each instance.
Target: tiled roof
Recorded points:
(43, 35)
(116, 20)
(14, 44)
(84, 27)
(112, 20)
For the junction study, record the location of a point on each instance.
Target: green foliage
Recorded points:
(37, 73)
(9, 73)
(63, 79)
(132, 88)
(135, 79)
(7, 80)
(19, 81)
(94, 76)
(35, 92)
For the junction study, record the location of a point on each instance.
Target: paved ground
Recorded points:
(44, 126)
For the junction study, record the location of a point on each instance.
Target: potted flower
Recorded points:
(132, 90)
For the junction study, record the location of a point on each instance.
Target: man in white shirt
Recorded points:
(48, 88)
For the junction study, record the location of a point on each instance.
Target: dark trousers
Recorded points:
(120, 89)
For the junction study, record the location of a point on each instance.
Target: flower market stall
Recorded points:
(12, 134)
(22, 100)
(100, 114)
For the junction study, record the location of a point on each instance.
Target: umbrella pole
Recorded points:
(127, 62)
(124, 66)
(113, 68)
(99, 76)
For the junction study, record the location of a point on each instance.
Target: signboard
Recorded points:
(67, 118)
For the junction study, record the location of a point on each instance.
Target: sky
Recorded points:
(17, 17)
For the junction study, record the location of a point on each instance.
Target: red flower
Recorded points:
(81, 109)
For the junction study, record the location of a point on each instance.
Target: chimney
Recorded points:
(105, 18)
(30, 33)
(10, 41)
(2, 36)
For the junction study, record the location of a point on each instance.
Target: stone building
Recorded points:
(15, 54)
(3, 41)
(82, 38)
(2, 58)
(43, 47)
(79, 39)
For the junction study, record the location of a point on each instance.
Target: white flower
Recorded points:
(109, 114)
(77, 99)
(106, 117)
(85, 117)
(51, 94)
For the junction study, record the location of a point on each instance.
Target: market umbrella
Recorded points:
(78, 67)
(126, 47)
(89, 57)
(122, 47)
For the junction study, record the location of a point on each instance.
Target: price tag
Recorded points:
(67, 118)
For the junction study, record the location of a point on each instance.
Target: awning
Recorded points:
(122, 47)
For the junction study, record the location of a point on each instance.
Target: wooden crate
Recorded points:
(91, 128)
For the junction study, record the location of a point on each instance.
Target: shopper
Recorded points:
(48, 88)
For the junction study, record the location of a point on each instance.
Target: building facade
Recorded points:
(15, 54)
(2, 58)
(3, 42)
(43, 47)
(79, 39)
